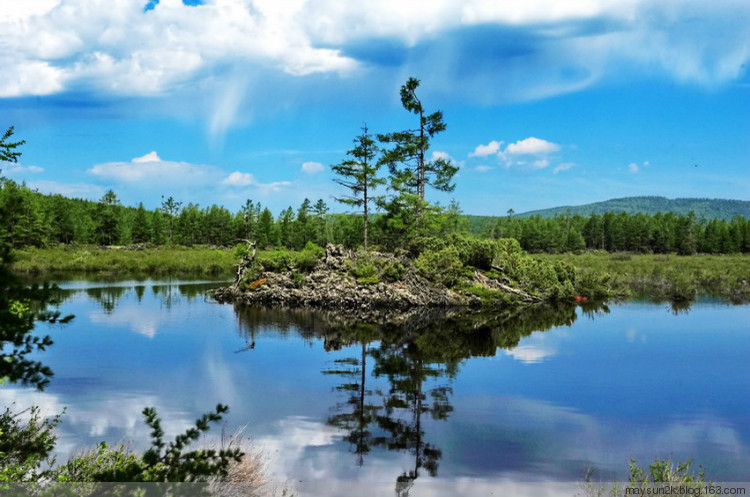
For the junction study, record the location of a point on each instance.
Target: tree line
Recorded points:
(30, 218)
(614, 232)
(34, 219)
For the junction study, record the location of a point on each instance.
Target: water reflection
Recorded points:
(417, 353)
(402, 397)
(109, 296)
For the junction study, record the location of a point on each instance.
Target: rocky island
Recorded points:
(457, 273)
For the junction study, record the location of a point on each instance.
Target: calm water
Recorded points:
(540, 396)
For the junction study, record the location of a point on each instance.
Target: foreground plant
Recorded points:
(162, 462)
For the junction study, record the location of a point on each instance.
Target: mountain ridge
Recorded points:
(709, 208)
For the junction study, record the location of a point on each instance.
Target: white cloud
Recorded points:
(531, 146)
(563, 167)
(438, 155)
(239, 179)
(483, 169)
(150, 168)
(13, 168)
(530, 354)
(491, 148)
(118, 47)
(540, 163)
(149, 157)
(312, 167)
(633, 168)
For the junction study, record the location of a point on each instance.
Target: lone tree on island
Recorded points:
(410, 149)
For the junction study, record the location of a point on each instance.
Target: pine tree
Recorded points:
(359, 175)
(410, 149)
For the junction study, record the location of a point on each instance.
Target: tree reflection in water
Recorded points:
(418, 353)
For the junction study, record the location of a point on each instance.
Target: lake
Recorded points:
(538, 396)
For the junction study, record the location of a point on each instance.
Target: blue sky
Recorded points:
(547, 103)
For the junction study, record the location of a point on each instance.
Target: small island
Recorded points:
(456, 273)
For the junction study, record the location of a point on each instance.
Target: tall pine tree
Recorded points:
(359, 175)
(407, 161)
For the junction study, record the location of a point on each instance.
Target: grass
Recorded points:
(666, 277)
(162, 261)
(658, 277)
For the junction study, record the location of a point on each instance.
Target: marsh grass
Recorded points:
(162, 261)
(672, 278)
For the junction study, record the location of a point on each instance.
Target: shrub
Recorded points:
(392, 271)
(160, 463)
(365, 272)
(276, 261)
(422, 244)
(476, 252)
(25, 447)
(298, 279)
(443, 266)
(308, 258)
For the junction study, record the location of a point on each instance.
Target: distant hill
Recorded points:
(709, 208)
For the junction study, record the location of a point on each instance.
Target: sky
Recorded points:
(547, 103)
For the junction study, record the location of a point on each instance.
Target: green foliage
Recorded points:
(410, 170)
(25, 446)
(476, 252)
(162, 462)
(662, 477)
(660, 278)
(298, 279)
(157, 261)
(280, 261)
(391, 271)
(8, 149)
(359, 176)
(363, 270)
(276, 261)
(443, 266)
(664, 471)
(703, 207)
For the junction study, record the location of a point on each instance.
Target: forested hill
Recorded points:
(708, 208)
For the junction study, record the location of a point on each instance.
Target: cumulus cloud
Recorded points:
(155, 170)
(118, 47)
(531, 146)
(529, 153)
(491, 148)
(312, 167)
(239, 179)
(149, 157)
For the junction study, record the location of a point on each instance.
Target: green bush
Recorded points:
(306, 260)
(26, 446)
(422, 244)
(443, 266)
(476, 252)
(364, 271)
(391, 271)
(275, 261)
